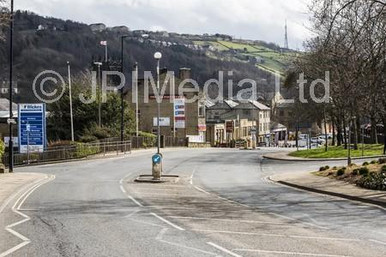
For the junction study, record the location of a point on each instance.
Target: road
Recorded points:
(222, 205)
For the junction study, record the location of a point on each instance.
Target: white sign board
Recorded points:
(163, 122)
(179, 113)
(14, 139)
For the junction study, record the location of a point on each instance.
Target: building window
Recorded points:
(201, 111)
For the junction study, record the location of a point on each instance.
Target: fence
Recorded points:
(82, 150)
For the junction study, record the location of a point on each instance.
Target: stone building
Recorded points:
(180, 117)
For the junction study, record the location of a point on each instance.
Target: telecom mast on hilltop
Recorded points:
(286, 36)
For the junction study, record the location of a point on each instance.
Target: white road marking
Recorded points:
(160, 239)
(297, 220)
(201, 190)
(223, 249)
(378, 242)
(135, 201)
(274, 235)
(230, 220)
(16, 209)
(127, 195)
(289, 253)
(191, 177)
(167, 222)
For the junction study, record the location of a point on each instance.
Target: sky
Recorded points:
(247, 19)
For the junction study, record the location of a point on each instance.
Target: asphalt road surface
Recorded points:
(222, 205)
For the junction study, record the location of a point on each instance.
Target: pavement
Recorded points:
(223, 204)
(12, 183)
(318, 184)
(283, 156)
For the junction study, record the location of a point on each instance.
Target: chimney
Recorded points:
(185, 73)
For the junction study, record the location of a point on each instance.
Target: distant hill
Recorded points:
(44, 43)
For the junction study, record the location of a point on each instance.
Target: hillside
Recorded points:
(44, 43)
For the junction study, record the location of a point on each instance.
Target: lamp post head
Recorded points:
(157, 56)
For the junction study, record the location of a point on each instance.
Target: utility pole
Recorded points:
(122, 91)
(99, 64)
(70, 95)
(136, 101)
(10, 146)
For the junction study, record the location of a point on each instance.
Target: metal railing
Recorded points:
(82, 150)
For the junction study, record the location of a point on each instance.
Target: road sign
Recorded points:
(179, 113)
(163, 122)
(157, 158)
(11, 121)
(32, 127)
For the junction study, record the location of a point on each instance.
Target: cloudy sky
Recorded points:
(247, 19)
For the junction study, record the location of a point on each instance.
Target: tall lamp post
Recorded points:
(122, 89)
(349, 141)
(70, 95)
(99, 64)
(158, 57)
(10, 146)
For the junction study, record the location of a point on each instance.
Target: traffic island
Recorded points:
(163, 179)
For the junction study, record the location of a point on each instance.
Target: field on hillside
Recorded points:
(272, 60)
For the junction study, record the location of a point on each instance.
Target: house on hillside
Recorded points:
(97, 27)
(120, 29)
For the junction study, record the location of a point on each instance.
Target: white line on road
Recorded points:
(289, 253)
(230, 220)
(16, 209)
(167, 222)
(223, 249)
(378, 242)
(127, 195)
(201, 190)
(275, 235)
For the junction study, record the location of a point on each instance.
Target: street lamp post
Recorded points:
(99, 64)
(158, 57)
(70, 95)
(136, 101)
(10, 146)
(122, 90)
(349, 141)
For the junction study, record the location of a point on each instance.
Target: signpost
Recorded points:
(179, 113)
(32, 127)
(163, 122)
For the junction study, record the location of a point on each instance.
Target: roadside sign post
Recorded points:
(157, 166)
(28, 129)
(32, 128)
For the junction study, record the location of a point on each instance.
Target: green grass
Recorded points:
(339, 152)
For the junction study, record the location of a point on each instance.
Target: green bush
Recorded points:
(363, 171)
(383, 168)
(355, 172)
(373, 162)
(83, 150)
(340, 172)
(334, 168)
(324, 168)
(365, 164)
(2, 148)
(375, 181)
(382, 161)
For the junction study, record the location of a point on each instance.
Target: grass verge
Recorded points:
(339, 152)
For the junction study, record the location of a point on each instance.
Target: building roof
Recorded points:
(260, 106)
(4, 105)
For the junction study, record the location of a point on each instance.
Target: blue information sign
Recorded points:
(32, 127)
(157, 159)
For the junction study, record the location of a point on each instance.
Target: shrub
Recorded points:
(365, 164)
(327, 167)
(340, 172)
(383, 168)
(355, 172)
(334, 168)
(2, 147)
(373, 162)
(375, 181)
(382, 161)
(322, 169)
(363, 171)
